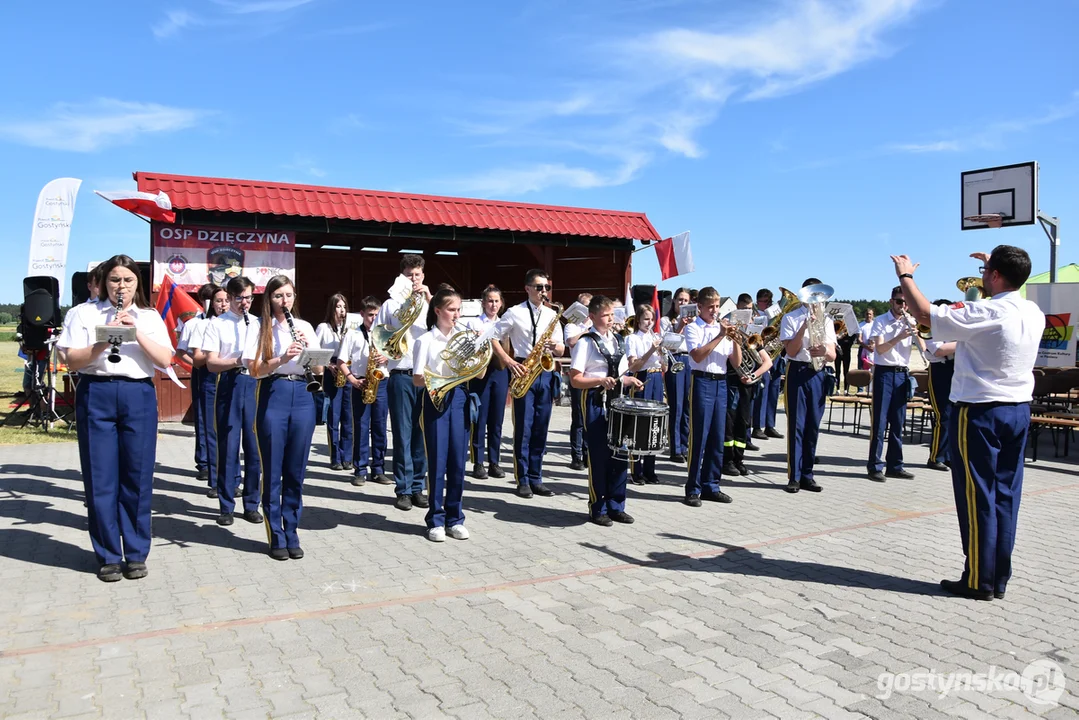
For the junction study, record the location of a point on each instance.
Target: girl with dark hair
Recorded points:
(646, 362)
(214, 301)
(491, 389)
(678, 383)
(116, 417)
(445, 434)
(284, 415)
(338, 394)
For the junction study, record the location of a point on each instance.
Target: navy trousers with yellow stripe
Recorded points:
(339, 425)
(199, 418)
(284, 422)
(531, 419)
(940, 388)
(678, 401)
(990, 439)
(116, 420)
(803, 400)
(606, 474)
(891, 389)
(707, 424)
(235, 418)
(204, 400)
(445, 439)
(486, 443)
(653, 390)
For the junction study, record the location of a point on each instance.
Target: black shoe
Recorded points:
(419, 500)
(603, 520)
(719, 496)
(224, 519)
(906, 475)
(937, 465)
(135, 570)
(620, 517)
(998, 594)
(404, 502)
(212, 493)
(295, 553)
(109, 573)
(253, 516)
(479, 471)
(347, 466)
(816, 459)
(381, 479)
(359, 480)
(752, 447)
(577, 464)
(693, 500)
(636, 479)
(337, 466)
(877, 476)
(542, 490)
(202, 474)
(742, 470)
(957, 587)
(792, 486)
(279, 553)
(759, 435)
(680, 459)
(771, 432)
(496, 472)
(524, 491)
(810, 485)
(651, 480)
(729, 468)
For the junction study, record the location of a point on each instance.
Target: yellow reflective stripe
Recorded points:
(262, 460)
(689, 441)
(516, 470)
(426, 458)
(972, 508)
(728, 443)
(938, 426)
(588, 449)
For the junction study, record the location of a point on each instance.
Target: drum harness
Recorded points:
(612, 362)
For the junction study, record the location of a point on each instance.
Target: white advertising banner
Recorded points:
(1060, 303)
(52, 228)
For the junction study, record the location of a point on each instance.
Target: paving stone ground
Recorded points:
(789, 606)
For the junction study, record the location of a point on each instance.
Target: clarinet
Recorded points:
(247, 320)
(114, 353)
(313, 385)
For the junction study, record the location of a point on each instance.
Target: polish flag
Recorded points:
(674, 256)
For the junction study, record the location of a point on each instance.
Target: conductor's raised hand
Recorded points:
(903, 265)
(983, 256)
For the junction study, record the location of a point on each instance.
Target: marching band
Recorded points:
(691, 386)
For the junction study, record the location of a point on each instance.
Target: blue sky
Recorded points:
(808, 137)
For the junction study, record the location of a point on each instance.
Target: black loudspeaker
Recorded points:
(79, 292)
(642, 295)
(41, 301)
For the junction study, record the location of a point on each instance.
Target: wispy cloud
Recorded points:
(268, 14)
(656, 93)
(261, 6)
(92, 126)
(174, 22)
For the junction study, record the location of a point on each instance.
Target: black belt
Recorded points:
(114, 378)
(238, 371)
(293, 378)
(893, 368)
(709, 376)
(398, 371)
(995, 403)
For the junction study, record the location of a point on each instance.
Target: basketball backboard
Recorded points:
(1009, 191)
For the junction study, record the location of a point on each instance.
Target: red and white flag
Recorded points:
(674, 256)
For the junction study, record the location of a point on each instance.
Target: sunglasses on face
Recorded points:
(899, 301)
(541, 287)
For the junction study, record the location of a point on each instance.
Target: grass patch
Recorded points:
(11, 372)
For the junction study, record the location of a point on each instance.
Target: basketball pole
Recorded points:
(1051, 226)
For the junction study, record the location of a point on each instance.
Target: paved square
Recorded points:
(777, 605)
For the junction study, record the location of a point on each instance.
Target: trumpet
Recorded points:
(114, 352)
(313, 385)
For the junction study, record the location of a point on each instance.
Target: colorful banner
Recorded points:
(52, 228)
(1060, 303)
(191, 256)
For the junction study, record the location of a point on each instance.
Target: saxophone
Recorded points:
(539, 360)
(374, 375)
(339, 379)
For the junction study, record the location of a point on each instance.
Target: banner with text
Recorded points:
(52, 229)
(192, 256)
(1060, 303)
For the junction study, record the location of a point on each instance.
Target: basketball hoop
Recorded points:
(993, 220)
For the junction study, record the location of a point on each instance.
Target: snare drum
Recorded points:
(637, 428)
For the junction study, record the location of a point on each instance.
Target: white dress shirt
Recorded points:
(886, 328)
(427, 354)
(698, 334)
(192, 328)
(479, 324)
(524, 324)
(282, 338)
(228, 335)
(931, 347)
(386, 317)
(996, 346)
(588, 360)
(864, 331)
(638, 344)
(134, 362)
(354, 349)
(793, 321)
(328, 338)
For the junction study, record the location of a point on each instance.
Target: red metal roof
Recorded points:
(249, 196)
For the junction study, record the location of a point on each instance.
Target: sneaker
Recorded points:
(496, 472)
(771, 432)
(458, 532)
(437, 534)
(404, 502)
(359, 480)
(419, 500)
(224, 519)
(479, 472)
(381, 479)
(109, 573)
(135, 570)
(253, 516)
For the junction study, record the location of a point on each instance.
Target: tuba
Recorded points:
(394, 344)
(539, 360)
(972, 288)
(465, 359)
(814, 297)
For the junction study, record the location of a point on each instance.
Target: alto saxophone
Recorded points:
(375, 374)
(539, 360)
(339, 379)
